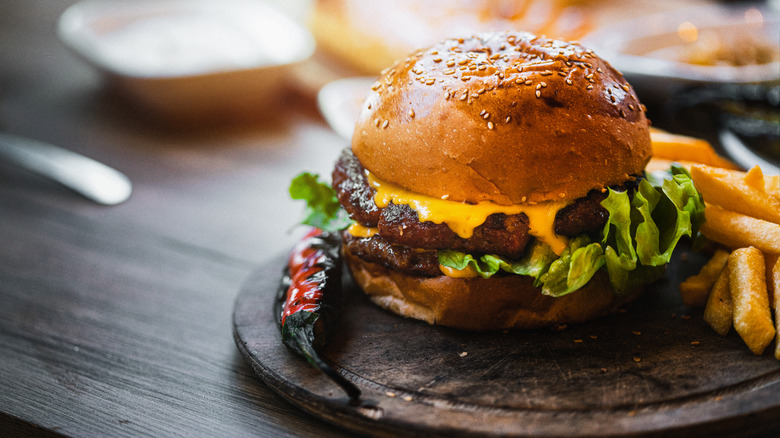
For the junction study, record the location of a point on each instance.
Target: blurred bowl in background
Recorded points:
(707, 45)
(189, 59)
(340, 101)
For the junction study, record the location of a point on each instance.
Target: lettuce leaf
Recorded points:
(577, 264)
(535, 263)
(322, 206)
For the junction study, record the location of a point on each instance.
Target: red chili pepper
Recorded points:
(306, 300)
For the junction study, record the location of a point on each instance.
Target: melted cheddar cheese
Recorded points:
(358, 230)
(462, 218)
(469, 272)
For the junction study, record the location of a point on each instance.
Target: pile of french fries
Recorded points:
(738, 287)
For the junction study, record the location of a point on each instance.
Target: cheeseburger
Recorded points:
(497, 181)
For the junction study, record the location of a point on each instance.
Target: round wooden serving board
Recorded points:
(656, 369)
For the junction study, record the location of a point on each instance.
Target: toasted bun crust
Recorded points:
(506, 117)
(496, 303)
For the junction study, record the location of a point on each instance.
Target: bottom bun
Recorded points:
(496, 303)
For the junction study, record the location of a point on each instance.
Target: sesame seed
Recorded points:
(631, 107)
(465, 95)
(385, 123)
(523, 199)
(695, 343)
(538, 93)
(622, 113)
(562, 195)
(481, 90)
(543, 84)
(411, 113)
(519, 81)
(430, 81)
(612, 98)
(624, 87)
(451, 63)
(589, 87)
(407, 398)
(437, 59)
(390, 394)
(590, 76)
(538, 86)
(490, 125)
(528, 82)
(568, 82)
(644, 108)
(578, 341)
(377, 121)
(508, 119)
(637, 359)
(486, 116)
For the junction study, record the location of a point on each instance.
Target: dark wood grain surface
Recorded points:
(116, 321)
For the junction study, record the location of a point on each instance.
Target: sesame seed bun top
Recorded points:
(505, 117)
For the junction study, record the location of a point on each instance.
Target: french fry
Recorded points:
(773, 278)
(756, 179)
(718, 313)
(771, 287)
(738, 230)
(736, 191)
(682, 148)
(747, 284)
(772, 185)
(695, 289)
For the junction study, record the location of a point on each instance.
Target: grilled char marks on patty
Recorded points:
(501, 234)
(376, 249)
(354, 193)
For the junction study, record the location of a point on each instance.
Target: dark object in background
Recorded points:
(748, 112)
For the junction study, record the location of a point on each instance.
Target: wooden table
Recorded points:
(116, 321)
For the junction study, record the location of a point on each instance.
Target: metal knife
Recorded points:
(93, 180)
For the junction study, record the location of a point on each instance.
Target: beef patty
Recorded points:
(401, 230)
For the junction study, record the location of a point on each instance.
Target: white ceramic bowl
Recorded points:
(185, 58)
